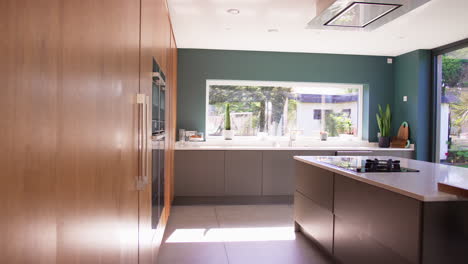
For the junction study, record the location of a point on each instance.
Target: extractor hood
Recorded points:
(359, 15)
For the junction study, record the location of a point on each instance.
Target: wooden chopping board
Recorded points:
(401, 140)
(403, 132)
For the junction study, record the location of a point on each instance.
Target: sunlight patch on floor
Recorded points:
(203, 235)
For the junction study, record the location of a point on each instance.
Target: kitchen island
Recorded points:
(395, 217)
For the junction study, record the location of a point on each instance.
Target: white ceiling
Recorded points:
(205, 24)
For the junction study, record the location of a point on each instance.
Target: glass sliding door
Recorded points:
(452, 107)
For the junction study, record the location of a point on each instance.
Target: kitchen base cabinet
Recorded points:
(394, 153)
(353, 245)
(387, 222)
(261, 173)
(445, 228)
(279, 170)
(314, 220)
(199, 173)
(359, 222)
(316, 184)
(313, 204)
(243, 173)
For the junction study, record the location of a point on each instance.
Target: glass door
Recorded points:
(452, 107)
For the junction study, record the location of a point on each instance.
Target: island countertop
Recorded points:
(420, 185)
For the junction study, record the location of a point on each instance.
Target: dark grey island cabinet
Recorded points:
(356, 222)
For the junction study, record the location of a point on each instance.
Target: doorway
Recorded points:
(452, 107)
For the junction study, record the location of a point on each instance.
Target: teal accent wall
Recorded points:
(412, 78)
(195, 66)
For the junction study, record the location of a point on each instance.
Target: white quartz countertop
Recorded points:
(284, 146)
(420, 185)
(337, 148)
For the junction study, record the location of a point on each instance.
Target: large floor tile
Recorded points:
(255, 215)
(192, 253)
(191, 217)
(298, 251)
(236, 235)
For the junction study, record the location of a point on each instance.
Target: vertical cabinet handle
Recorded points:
(148, 147)
(142, 147)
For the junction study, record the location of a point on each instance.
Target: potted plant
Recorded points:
(384, 120)
(228, 133)
(323, 135)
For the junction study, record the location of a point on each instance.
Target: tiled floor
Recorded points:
(241, 234)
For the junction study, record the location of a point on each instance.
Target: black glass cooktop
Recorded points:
(358, 164)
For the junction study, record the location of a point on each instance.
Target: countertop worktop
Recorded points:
(335, 146)
(420, 185)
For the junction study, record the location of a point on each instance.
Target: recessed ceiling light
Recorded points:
(228, 28)
(233, 11)
(271, 30)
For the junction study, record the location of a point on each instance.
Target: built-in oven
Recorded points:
(159, 142)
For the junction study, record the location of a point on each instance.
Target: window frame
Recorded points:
(436, 95)
(360, 88)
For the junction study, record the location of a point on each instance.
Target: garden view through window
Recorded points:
(453, 109)
(278, 109)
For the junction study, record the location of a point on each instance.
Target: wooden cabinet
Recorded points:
(157, 44)
(243, 173)
(69, 75)
(199, 173)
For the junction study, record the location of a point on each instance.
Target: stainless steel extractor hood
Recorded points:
(359, 15)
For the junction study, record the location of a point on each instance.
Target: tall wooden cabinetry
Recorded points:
(69, 75)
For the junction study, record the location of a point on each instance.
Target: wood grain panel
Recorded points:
(69, 78)
(29, 83)
(149, 10)
(156, 44)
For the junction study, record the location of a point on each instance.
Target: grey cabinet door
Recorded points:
(314, 220)
(279, 169)
(316, 184)
(243, 172)
(199, 173)
(371, 219)
(316, 153)
(278, 172)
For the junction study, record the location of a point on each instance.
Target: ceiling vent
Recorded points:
(359, 15)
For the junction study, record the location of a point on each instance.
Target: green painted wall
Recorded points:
(195, 66)
(412, 78)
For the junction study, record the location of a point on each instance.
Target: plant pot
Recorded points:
(323, 136)
(228, 134)
(384, 142)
